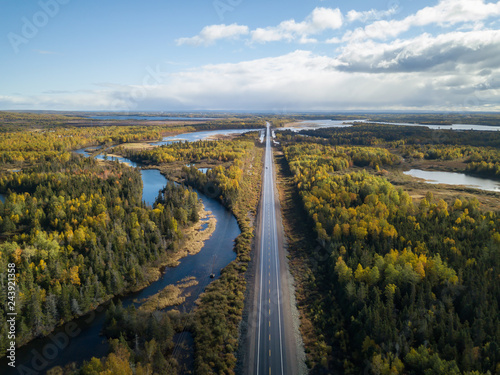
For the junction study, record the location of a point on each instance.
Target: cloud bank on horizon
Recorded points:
(444, 56)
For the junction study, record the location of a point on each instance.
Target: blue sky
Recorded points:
(250, 55)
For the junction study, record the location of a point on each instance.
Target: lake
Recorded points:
(451, 178)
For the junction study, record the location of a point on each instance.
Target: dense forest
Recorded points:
(76, 228)
(19, 121)
(192, 152)
(401, 287)
(491, 119)
(79, 233)
(373, 134)
(232, 123)
(223, 180)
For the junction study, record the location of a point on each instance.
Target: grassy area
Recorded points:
(171, 295)
(137, 146)
(194, 237)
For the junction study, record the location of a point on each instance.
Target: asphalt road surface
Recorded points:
(271, 342)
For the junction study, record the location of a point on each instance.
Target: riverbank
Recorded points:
(171, 295)
(192, 243)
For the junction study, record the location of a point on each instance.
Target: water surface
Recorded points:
(198, 136)
(319, 124)
(451, 178)
(152, 182)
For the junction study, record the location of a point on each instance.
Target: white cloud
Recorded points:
(370, 15)
(319, 20)
(464, 14)
(424, 53)
(302, 80)
(210, 34)
(451, 12)
(323, 19)
(333, 40)
(446, 13)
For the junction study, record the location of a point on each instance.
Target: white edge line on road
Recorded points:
(259, 309)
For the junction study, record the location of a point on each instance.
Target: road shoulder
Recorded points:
(293, 339)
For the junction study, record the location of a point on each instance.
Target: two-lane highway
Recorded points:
(272, 339)
(270, 352)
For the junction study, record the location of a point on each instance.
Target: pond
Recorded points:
(202, 170)
(451, 178)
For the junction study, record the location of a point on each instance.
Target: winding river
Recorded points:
(80, 339)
